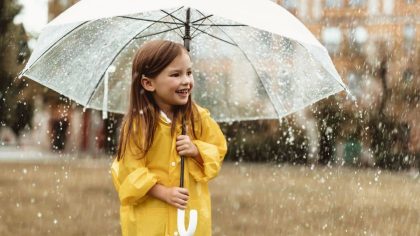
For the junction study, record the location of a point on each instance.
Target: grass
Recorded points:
(76, 197)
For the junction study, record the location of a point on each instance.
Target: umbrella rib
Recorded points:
(199, 25)
(202, 19)
(174, 17)
(193, 36)
(252, 65)
(113, 59)
(222, 25)
(164, 31)
(148, 20)
(52, 46)
(179, 34)
(215, 36)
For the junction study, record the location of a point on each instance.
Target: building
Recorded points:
(375, 47)
(69, 128)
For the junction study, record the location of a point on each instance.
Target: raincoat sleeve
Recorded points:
(132, 179)
(212, 147)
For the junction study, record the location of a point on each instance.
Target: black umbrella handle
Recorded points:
(183, 132)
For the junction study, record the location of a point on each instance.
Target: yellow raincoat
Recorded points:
(141, 214)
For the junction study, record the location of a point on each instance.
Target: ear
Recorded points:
(147, 84)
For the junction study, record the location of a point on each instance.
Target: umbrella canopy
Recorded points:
(252, 59)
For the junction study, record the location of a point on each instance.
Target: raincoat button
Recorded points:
(173, 163)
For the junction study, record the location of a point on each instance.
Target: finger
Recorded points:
(182, 142)
(185, 153)
(181, 148)
(179, 143)
(183, 191)
(181, 137)
(183, 196)
(180, 206)
(181, 202)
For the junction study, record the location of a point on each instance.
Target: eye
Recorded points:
(174, 75)
(189, 73)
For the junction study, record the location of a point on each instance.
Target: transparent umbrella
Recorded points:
(252, 59)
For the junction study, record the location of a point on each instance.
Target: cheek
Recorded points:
(192, 83)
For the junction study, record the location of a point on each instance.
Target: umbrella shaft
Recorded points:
(187, 36)
(183, 132)
(181, 181)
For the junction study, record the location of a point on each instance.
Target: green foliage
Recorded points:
(266, 141)
(330, 117)
(14, 110)
(390, 143)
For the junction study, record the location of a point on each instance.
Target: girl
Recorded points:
(146, 172)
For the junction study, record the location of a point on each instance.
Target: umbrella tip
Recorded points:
(20, 75)
(350, 96)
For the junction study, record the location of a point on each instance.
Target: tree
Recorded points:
(15, 111)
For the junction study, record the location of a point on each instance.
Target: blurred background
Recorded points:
(337, 167)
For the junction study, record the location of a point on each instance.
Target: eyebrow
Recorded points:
(178, 70)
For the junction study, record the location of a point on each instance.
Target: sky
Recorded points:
(34, 15)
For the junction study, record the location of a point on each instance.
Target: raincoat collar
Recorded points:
(166, 121)
(165, 117)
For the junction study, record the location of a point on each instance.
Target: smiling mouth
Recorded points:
(183, 91)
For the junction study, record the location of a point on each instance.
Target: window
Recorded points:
(388, 6)
(357, 3)
(303, 9)
(408, 76)
(334, 3)
(291, 4)
(357, 38)
(64, 3)
(317, 9)
(331, 37)
(409, 33)
(355, 83)
(373, 7)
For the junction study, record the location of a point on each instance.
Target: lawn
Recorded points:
(76, 197)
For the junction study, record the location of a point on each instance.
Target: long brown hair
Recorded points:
(143, 112)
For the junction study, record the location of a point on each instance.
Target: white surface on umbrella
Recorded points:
(290, 68)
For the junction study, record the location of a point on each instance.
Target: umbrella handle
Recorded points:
(192, 225)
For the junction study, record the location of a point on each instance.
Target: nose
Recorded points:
(186, 80)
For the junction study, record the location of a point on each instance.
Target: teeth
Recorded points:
(182, 91)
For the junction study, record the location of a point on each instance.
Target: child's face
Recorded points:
(174, 84)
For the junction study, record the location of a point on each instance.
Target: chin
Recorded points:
(183, 103)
